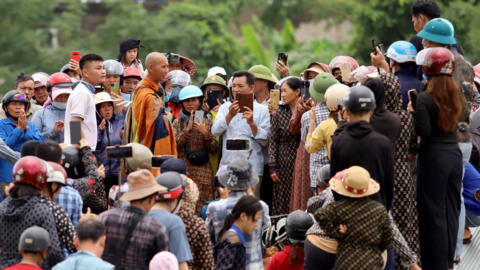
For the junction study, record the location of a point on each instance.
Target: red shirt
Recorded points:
(22, 266)
(280, 260)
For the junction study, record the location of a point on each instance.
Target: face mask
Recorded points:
(167, 96)
(59, 105)
(175, 95)
(126, 97)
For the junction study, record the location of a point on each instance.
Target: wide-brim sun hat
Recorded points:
(440, 31)
(238, 175)
(141, 187)
(188, 66)
(354, 182)
(263, 72)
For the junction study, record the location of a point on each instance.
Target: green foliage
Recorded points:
(209, 32)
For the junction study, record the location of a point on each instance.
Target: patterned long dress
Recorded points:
(282, 151)
(404, 210)
(306, 169)
(203, 174)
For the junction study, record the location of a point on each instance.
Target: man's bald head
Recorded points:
(157, 66)
(154, 57)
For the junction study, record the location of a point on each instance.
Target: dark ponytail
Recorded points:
(247, 204)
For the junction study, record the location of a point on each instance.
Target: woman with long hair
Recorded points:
(282, 146)
(229, 252)
(439, 160)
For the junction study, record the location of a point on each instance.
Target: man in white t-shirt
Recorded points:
(81, 103)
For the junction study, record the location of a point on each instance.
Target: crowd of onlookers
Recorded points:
(124, 164)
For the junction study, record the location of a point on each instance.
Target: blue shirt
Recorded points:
(72, 202)
(471, 185)
(238, 128)
(176, 233)
(83, 260)
(217, 211)
(15, 138)
(45, 120)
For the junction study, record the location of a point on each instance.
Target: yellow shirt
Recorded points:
(321, 136)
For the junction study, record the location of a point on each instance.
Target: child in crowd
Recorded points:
(229, 252)
(129, 54)
(291, 257)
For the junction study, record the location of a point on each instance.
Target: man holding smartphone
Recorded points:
(81, 103)
(251, 124)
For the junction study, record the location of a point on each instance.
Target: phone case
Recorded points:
(198, 117)
(274, 98)
(212, 97)
(245, 100)
(75, 55)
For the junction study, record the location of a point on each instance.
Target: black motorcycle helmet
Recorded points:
(298, 222)
(72, 162)
(359, 98)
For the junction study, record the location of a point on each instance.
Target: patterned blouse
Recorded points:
(368, 232)
(64, 225)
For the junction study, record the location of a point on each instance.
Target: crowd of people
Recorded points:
(124, 164)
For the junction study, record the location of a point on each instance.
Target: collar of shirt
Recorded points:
(236, 194)
(265, 102)
(89, 86)
(239, 232)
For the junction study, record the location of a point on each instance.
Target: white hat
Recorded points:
(216, 70)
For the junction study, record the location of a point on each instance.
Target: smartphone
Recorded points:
(115, 88)
(118, 152)
(245, 100)
(75, 55)
(382, 48)
(75, 132)
(282, 57)
(213, 96)
(374, 49)
(304, 91)
(238, 144)
(412, 96)
(274, 98)
(198, 117)
(157, 161)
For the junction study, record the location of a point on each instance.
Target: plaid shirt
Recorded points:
(148, 238)
(217, 211)
(320, 159)
(72, 202)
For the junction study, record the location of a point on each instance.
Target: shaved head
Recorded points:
(154, 57)
(157, 66)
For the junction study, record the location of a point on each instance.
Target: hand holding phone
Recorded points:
(199, 114)
(115, 88)
(118, 152)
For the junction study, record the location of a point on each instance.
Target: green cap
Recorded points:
(263, 72)
(320, 85)
(214, 79)
(438, 30)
